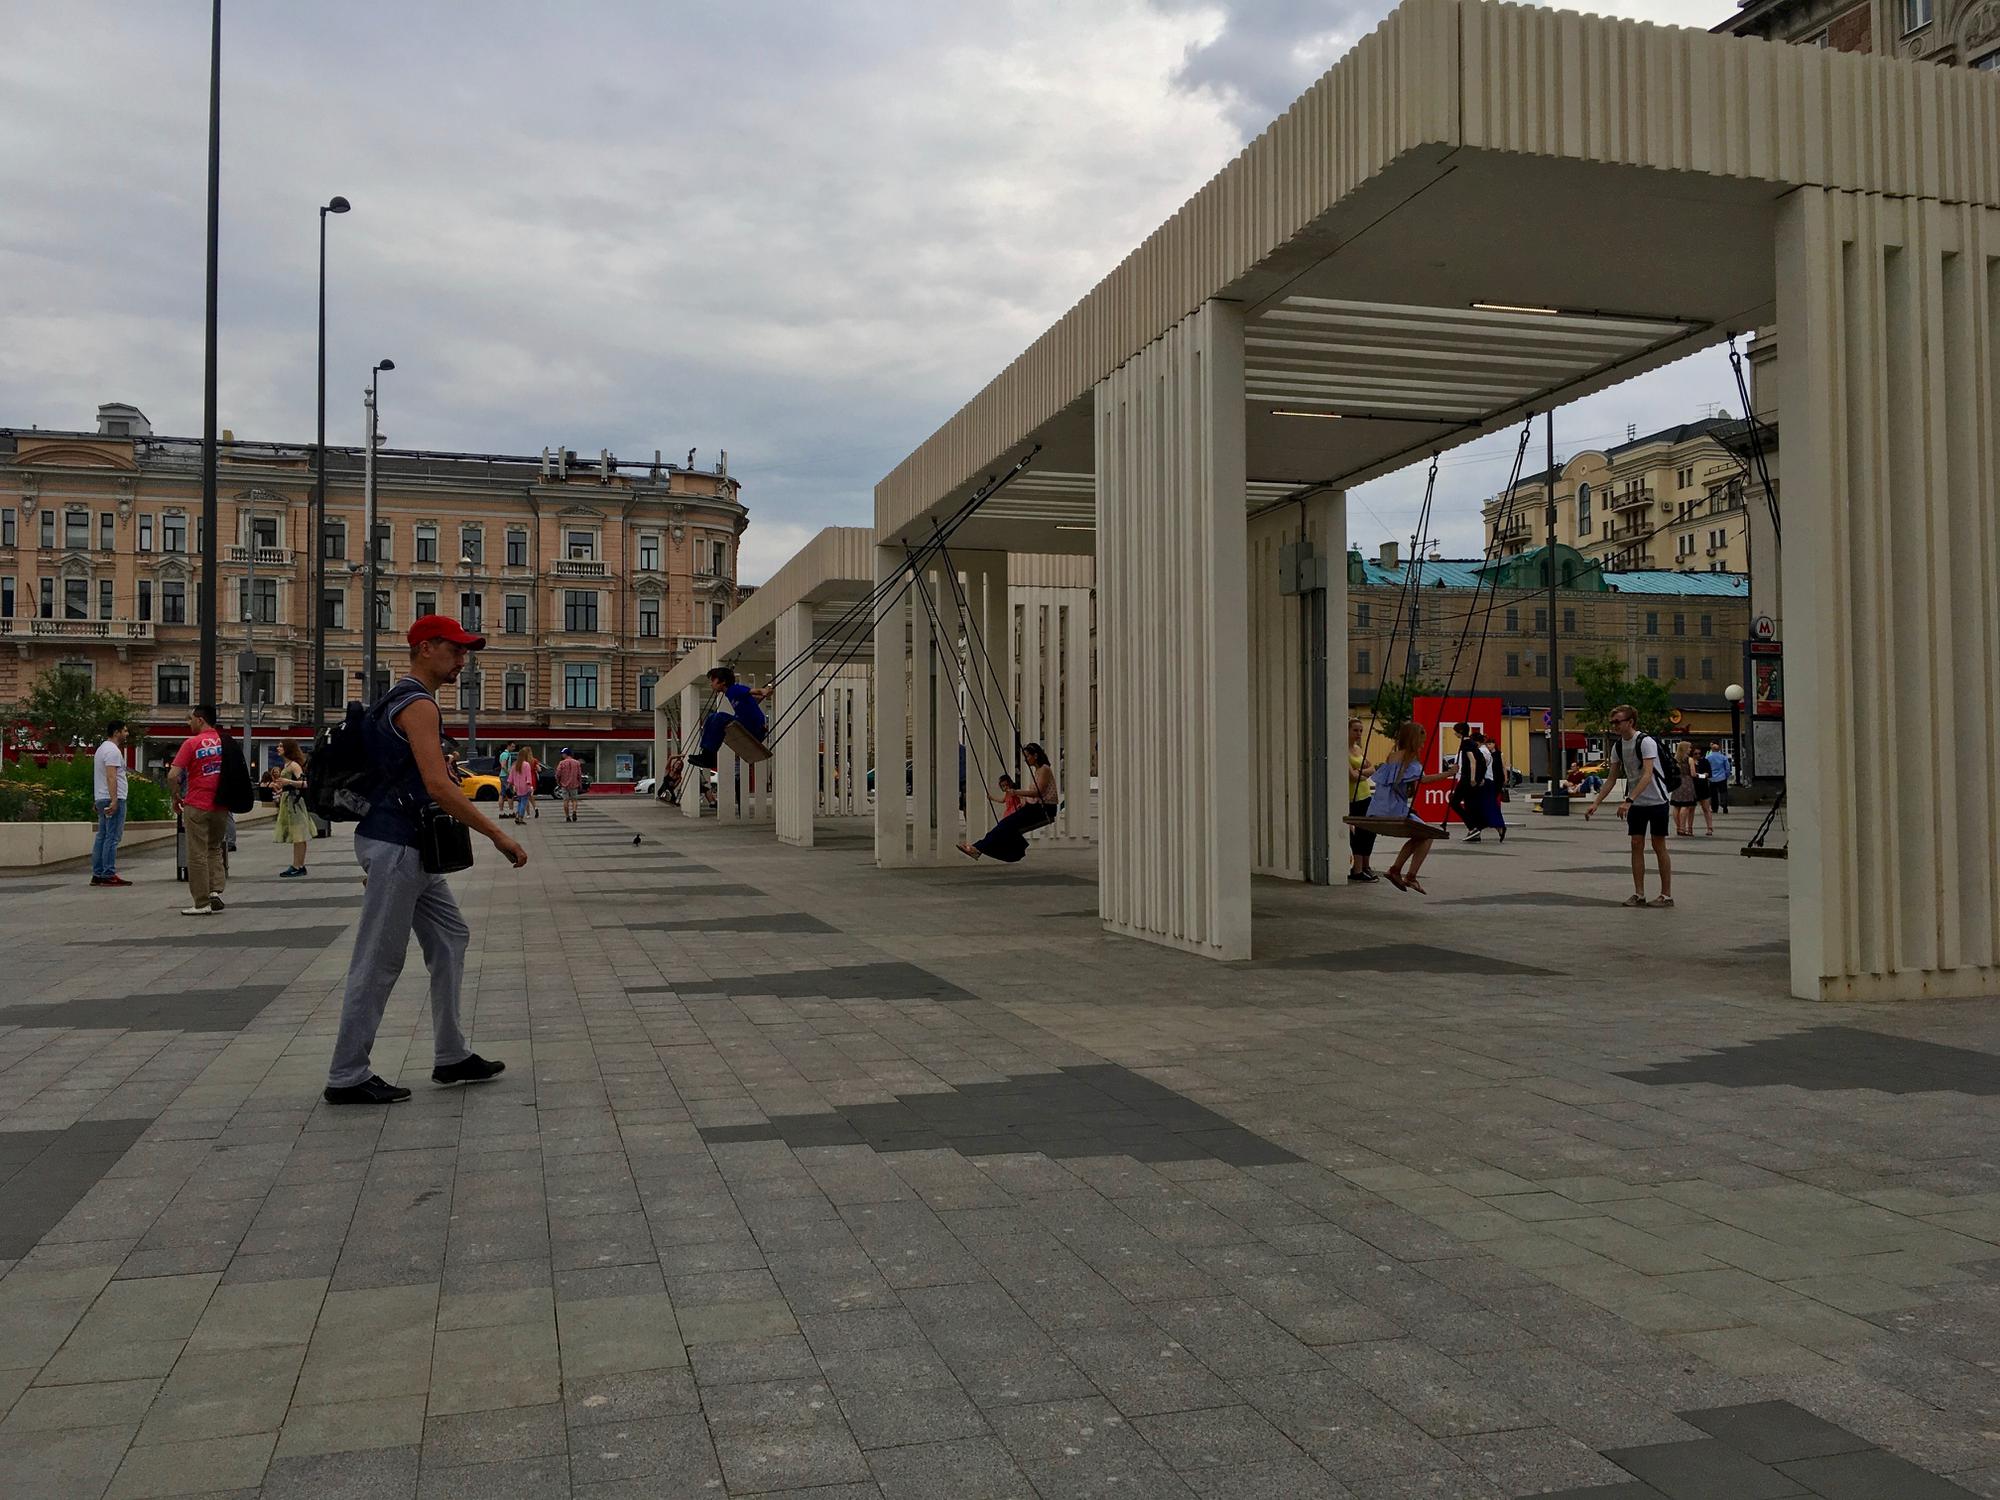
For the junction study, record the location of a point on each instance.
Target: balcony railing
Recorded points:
(267, 557)
(76, 630)
(578, 567)
(1636, 498)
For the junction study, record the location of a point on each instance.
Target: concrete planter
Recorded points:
(25, 846)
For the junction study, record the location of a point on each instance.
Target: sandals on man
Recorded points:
(1635, 899)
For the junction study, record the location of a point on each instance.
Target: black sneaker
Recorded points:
(474, 1069)
(702, 762)
(374, 1091)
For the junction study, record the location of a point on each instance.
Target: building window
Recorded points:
(333, 609)
(715, 614)
(173, 532)
(515, 686)
(579, 685)
(579, 609)
(515, 619)
(385, 541)
(1583, 510)
(333, 544)
(427, 602)
(1680, 668)
(649, 553)
(145, 533)
(1361, 662)
(260, 604)
(1513, 618)
(145, 598)
(104, 598)
(1653, 667)
(1652, 622)
(580, 546)
(384, 620)
(76, 598)
(1361, 616)
(263, 531)
(173, 686)
(264, 680)
(1987, 64)
(1541, 620)
(6, 598)
(649, 616)
(333, 688)
(721, 558)
(105, 530)
(1513, 664)
(173, 602)
(1569, 622)
(1708, 624)
(471, 606)
(472, 544)
(48, 597)
(1541, 664)
(1684, 478)
(76, 529)
(517, 549)
(1680, 623)
(1916, 15)
(1569, 664)
(470, 693)
(647, 681)
(427, 544)
(48, 528)
(10, 535)
(1708, 669)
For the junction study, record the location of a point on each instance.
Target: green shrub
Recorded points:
(60, 792)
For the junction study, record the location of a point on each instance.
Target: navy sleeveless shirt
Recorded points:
(400, 792)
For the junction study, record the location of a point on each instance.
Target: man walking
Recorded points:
(196, 778)
(1645, 804)
(1718, 779)
(1468, 797)
(108, 787)
(569, 783)
(404, 738)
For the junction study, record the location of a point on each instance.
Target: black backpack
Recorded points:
(339, 777)
(1670, 768)
(235, 793)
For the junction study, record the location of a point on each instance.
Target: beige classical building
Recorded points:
(589, 578)
(1673, 499)
(1965, 32)
(1360, 288)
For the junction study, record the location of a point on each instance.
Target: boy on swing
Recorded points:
(745, 716)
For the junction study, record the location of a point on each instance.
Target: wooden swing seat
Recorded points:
(746, 746)
(1398, 828)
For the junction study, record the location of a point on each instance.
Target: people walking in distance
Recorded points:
(521, 784)
(197, 779)
(1360, 842)
(108, 785)
(1645, 804)
(1007, 841)
(294, 823)
(534, 780)
(745, 708)
(507, 754)
(1682, 797)
(1495, 786)
(1396, 783)
(1464, 798)
(412, 793)
(1719, 772)
(569, 784)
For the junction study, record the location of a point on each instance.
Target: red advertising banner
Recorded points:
(1441, 716)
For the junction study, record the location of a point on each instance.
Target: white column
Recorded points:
(892, 715)
(1174, 806)
(693, 696)
(1889, 400)
(1078, 743)
(795, 758)
(979, 628)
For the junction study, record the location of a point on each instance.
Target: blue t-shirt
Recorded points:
(1718, 766)
(748, 710)
(1395, 787)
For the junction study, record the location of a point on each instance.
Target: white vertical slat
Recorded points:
(892, 708)
(795, 763)
(692, 780)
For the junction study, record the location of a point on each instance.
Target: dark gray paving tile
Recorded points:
(370, 1474)
(1703, 1469)
(675, 1453)
(46, 1185)
(1774, 1432)
(1408, 958)
(784, 921)
(1837, 1057)
(1214, 1437)
(1872, 1475)
(966, 1469)
(186, 1010)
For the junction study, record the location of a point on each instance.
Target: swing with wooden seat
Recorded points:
(1409, 825)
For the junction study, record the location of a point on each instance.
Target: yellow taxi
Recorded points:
(479, 778)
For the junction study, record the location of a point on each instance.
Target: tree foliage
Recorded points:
(65, 712)
(1604, 685)
(1397, 699)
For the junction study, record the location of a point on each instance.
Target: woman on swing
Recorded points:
(1396, 783)
(1008, 840)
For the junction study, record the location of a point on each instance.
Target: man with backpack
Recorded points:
(1649, 779)
(390, 757)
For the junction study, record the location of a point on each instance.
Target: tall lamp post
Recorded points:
(336, 205)
(1734, 693)
(206, 589)
(469, 679)
(369, 548)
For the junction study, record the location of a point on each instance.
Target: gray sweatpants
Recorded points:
(400, 897)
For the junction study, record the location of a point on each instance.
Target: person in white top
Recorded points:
(1645, 804)
(108, 786)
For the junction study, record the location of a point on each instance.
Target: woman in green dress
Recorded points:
(294, 822)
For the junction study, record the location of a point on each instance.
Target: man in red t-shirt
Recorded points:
(196, 778)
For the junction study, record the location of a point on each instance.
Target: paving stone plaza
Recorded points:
(812, 1179)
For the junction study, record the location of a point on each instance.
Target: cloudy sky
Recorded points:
(802, 233)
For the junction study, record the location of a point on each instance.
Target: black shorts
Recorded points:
(1704, 791)
(1651, 819)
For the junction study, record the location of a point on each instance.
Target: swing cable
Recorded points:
(948, 653)
(978, 640)
(1754, 428)
(1402, 596)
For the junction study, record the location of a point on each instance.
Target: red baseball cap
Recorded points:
(445, 628)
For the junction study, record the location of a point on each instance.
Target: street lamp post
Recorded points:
(205, 592)
(370, 550)
(469, 679)
(1734, 693)
(317, 570)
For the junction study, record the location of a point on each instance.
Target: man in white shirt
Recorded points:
(1645, 804)
(108, 786)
